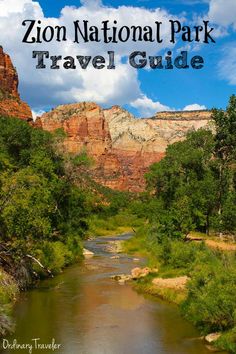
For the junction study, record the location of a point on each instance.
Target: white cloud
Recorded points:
(222, 17)
(194, 107)
(37, 114)
(147, 107)
(223, 12)
(120, 87)
(42, 88)
(16, 6)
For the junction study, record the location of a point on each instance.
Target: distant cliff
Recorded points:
(10, 102)
(122, 146)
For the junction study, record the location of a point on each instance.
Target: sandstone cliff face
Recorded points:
(122, 146)
(86, 129)
(84, 125)
(10, 103)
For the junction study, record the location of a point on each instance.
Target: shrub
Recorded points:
(183, 254)
(211, 301)
(53, 256)
(75, 248)
(227, 341)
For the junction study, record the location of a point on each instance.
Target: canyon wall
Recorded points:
(10, 102)
(122, 146)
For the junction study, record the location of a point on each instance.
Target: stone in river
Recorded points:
(212, 337)
(87, 253)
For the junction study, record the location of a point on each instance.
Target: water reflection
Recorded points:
(88, 313)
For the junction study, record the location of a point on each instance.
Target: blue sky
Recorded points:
(143, 92)
(53, 8)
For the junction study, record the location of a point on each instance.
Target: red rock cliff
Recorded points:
(122, 146)
(10, 102)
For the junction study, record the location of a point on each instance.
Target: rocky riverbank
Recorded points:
(9, 291)
(171, 284)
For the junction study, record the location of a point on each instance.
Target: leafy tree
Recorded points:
(211, 300)
(225, 153)
(44, 203)
(185, 180)
(196, 181)
(225, 137)
(28, 205)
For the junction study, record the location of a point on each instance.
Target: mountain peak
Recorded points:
(10, 102)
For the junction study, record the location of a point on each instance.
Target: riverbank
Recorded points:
(199, 279)
(9, 292)
(49, 259)
(168, 282)
(108, 225)
(88, 312)
(22, 273)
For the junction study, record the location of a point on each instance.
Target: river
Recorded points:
(88, 313)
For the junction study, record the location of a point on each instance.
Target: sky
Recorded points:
(142, 91)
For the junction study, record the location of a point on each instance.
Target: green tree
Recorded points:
(186, 181)
(27, 207)
(225, 155)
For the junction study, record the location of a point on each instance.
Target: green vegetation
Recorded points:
(193, 189)
(113, 216)
(48, 205)
(42, 212)
(211, 300)
(41, 208)
(123, 222)
(8, 292)
(48, 202)
(195, 183)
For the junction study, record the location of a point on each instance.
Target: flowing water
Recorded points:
(88, 313)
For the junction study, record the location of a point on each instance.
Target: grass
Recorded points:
(199, 234)
(205, 267)
(8, 295)
(113, 225)
(8, 288)
(110, 231)
(138, 246)
(212, 236)
(174, 296)
(227, 341)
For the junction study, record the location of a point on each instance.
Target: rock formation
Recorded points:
(122, 146)
(10, 102)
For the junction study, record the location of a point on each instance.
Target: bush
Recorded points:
(53, 256)
(211, 301)
(8, 288)
(8, 293)
(75, 248)
(227, 341)
(183, 254)
(171, 251)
